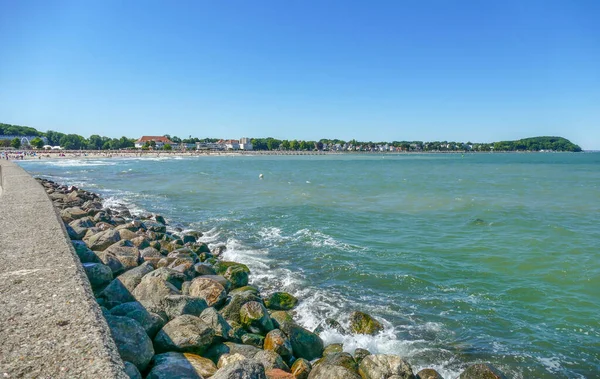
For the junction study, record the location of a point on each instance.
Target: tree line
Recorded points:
(97, 142)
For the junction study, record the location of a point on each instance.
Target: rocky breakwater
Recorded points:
(176, 310)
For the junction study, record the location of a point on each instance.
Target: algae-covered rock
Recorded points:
(237, 275)
(301, 368)
(255, 318)
(253, 339)
(131, 339)
(428, 373)
(185, 333)
(279, 317)
(482, 371)
(362, 323)
(278, 342)
(239, 290)
(180, 365)
(208, 289)
(333, 348)
(360, 354)
(330, 324)
(281, 301)
(305, 344)
(335, 366)
(383, 366)
(222, 266)
(231, 309)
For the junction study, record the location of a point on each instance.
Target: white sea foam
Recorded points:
(79, 163)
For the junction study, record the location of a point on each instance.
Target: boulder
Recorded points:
(213, 319)
(246, 369)
(126, 234)
(360, 354)
(276, 373)
(81, 226)
(301, 368)
(330, 324)
(186, 268)
(281, 301)
(239, 290)
(174, 277)
(98, 274)
(111, 261)
(70, 214)
(178, 305)
(121, 289)
(126, 253)
(378, 366)
(278, 342)
(204, 269)
(150, 254)
(151, 322)
(101, 241)
(253, 339)
(222, 266)
(237, 275)
(428, 373)
(160, 219)
(333, 348)
(131, 339)
(154, 289)
(335, 366)
(132, 371)
(482, 371)
(255, 318)
(185, 333)
(208, 289)
(188, 238)
(181, 365)
(362, 323)
(140, 242)
(227, 359)
(279, 317)
(216, 351)
(305, 344)
(270, 360)
(84, 253)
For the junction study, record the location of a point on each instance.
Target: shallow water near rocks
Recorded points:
(486, 257)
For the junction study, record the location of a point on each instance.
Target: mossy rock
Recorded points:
(237, 275)
(253, 339)
(222, 266)
(362, 323)
(333, 348)
(279, 317)
(482, 371)
(281, 301)
(251, 289)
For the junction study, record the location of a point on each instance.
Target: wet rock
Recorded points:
(185, 333)
(253, 339)
(174, 277)
(98, 274)
(180, 365)
(188, 238)
(246, 369)
(360, 354)
(222, 266)
(237, 275)
(383, 366)
(278, 342)
(279, 317)
(132, 371)
(131, 339)
(101, 241)
(213, 319)
(270, 360)
(151, 322)
(482, 371)
(429, 373)
(255, 318)
(160, 219)
(362, 323)
(301, 368)
(281, 301)
(330, 324)
(204, 269)
(333, 348)
(239, 290)
(208, 289)
(178, 305)
(305, 344)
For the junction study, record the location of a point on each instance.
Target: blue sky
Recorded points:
(377, 70)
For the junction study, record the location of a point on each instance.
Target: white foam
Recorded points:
(79, 163)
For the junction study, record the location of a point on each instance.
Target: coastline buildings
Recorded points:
(159, 141)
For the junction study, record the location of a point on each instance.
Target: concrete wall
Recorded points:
(50, 323)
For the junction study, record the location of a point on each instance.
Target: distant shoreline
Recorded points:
(107, 154)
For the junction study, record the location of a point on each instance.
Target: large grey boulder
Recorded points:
(270, 360)
(212, 318)
(111, 261)
(81, 226)
(278, 342)
(154, 289)
(174, 277)
(98, 274)
(482, 371)
(246, 369)
(150, 321)
(120, 290)
(383, 366)
(131, 339)
(231, 309)
(208, 289)
(101, 241)
(73, 213)
(428, 373)
(185, 333)
(180, 365)
(132, 371)
(335, 366)
(126, 253)
(305, 344)
(149, 254)
(84, 253)
(178, 305)
(216, 351)
(255, 318)
(363, 323)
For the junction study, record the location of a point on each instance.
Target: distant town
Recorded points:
(15, 137)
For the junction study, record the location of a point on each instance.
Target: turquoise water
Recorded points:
(486, 257)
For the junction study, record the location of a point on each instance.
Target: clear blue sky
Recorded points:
(370, 70)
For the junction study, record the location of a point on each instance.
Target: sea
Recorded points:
(464, 258)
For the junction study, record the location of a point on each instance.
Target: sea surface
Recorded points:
(481, 257)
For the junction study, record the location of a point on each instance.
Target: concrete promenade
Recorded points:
(50, 323)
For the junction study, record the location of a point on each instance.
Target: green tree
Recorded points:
(37, 142)
(167, 147)
(15, 142)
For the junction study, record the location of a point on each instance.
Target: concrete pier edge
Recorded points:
(50, 323)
